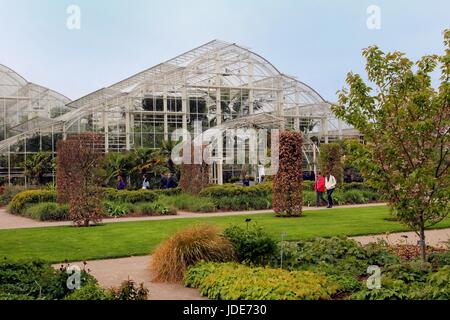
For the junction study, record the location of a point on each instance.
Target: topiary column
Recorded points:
(288, 182)
(78, 180)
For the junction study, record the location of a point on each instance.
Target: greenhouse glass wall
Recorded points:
(217, 85)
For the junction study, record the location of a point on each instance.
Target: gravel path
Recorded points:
(436, 238)
(112, 272)
(10, 221)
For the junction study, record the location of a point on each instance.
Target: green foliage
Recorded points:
(22, 200)
(118, 209)
(404, 119)
(251, 243)
(35, 280)
(308, 185)
(91, 291)
(439, 258)
(188, 202)
(38, 165)
(157, 208)
(9, 192)
(129, 196)
(129, 291)
(391, 289)
(330, 160)
(47, 211)
(234, 197)
(232, 281)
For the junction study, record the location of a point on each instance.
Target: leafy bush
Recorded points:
(9, 192)
(252, 244)
(118, 209)
(439, 258)
(232, 190)
(26, 198)
(308, 185)
(410, 271)
(232, 281)
(309, 198)
(155, 209)
(35, 279)
(47, 211)
(354, 197)
(187, 247)
(129, 291)
(391, 289)
(189, 202)
(243, 202)
(129, 196)
(91, 291)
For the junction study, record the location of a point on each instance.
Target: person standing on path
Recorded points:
(319, 188)
(330, 185)
(120, 183)
(145, 182)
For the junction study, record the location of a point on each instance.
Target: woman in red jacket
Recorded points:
(319, 188)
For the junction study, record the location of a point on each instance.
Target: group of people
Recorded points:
(167, 181)
(324, 184)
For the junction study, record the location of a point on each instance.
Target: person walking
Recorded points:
(163, 181)
(319, 188)
(330, 185)
(145, 182)
(246, 181)
(120, 183)
(171, 183)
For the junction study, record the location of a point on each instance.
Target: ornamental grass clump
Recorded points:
(187, 247)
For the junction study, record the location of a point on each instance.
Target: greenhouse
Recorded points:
(217, 85)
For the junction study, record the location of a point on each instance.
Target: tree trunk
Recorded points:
(423, 246)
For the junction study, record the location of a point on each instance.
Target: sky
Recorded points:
(318, 41)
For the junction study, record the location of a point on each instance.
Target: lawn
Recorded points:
(57, 244)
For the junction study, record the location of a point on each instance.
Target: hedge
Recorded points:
(22, 200)
(48, 211)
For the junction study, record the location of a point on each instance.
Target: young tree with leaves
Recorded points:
(406, 123)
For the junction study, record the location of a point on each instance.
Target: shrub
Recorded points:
(35, 279)
(129, 291)
(391, 289)
(232, 281)
(189, 202)
(354, 197)
(308, 185)
(91, 291)
(187, 247)
(243, 202)
(155, 208)
(336, 255)
(439, 258)
(330, 159)
(232, 190)
(48, 211)
(130, 196)
(309, 198)
(287, 185)
(79, 178)
(251, 244)
(118, 209)
(26, 198)
(9, 192)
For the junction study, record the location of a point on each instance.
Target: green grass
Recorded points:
(57, 244)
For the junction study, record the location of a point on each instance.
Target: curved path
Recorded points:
(10, 221)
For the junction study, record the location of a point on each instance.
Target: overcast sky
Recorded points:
(316, 41)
